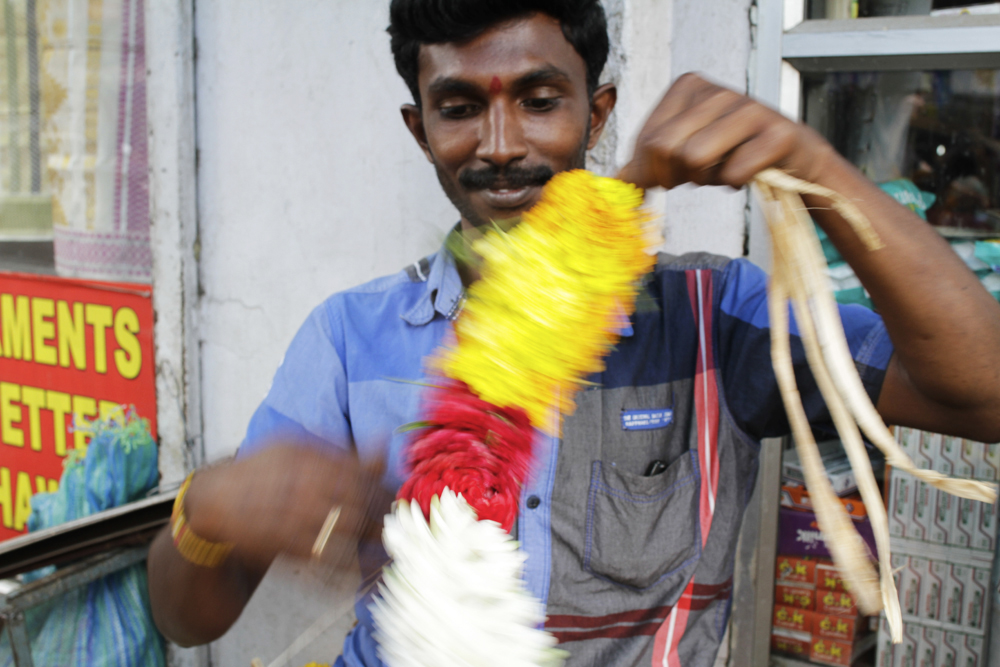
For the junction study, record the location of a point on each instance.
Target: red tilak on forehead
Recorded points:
(495, 85)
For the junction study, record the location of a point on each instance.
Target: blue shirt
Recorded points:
(349, 379)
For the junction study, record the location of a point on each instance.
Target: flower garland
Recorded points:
(554, 293)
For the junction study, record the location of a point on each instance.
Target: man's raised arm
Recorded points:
(945, 373)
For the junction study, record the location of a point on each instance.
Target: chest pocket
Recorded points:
(643, 531)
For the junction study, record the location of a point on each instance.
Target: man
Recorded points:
(634, 567)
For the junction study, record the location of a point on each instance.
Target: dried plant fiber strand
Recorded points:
(846, 546)
(834, 343)
(798, 276)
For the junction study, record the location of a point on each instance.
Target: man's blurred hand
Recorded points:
(277, 501)
(709, 135)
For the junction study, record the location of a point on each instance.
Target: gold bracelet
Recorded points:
(194, 549)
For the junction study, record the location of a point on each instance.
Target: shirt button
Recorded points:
(533, 502)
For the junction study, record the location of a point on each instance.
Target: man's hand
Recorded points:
(277, 501)
(265, 504)
(709, 135)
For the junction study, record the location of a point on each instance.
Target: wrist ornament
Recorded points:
(194, 549)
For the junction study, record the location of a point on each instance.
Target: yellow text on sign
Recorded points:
(22, 407)
(15, 496)
(54, 332)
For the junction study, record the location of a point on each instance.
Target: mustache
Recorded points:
(509, 177)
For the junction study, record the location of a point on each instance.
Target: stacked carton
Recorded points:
(814, 616)
(942, 554)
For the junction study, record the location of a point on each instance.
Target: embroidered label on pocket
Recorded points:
(644, 420)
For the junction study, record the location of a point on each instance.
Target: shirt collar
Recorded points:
(444, 292)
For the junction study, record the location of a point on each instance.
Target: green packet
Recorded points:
(909, 195)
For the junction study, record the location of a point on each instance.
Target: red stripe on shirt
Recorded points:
(706, 399)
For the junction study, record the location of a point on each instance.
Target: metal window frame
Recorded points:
(170, 85)
(894, 43)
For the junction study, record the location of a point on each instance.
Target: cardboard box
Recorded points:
(954, 586)
(799, 534)
(971, 603)
(831, 651)
(930, 603)
(910, 579)
(945, 508)
(930, 446)
(961, 530)
(799, 597)
(796, 497)
(923, 511)
(837, 626)
(794, 643)
(828, 577)
(973, 456)
(795, 570)
(835, 463)
(976, 598)
(990, 468)
(927, 648)
(951, 648)
(900, 508)
(951, 448)
(793, 618)
(909, 440)
(905, 654)
(940, 450)
(835, 602)
(898, 564)
(967, 520)
(972, 652)
(986, 529)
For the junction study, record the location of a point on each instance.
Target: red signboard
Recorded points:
(69, 349)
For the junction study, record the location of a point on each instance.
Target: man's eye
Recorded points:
(459, 111)
(541, 103)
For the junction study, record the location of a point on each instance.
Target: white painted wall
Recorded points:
(308, 183)
(711, 37)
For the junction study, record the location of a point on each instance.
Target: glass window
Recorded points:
(931, 139)
(73, 171)
(847, 9)
(937, 130)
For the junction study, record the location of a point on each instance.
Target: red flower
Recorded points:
(507, 431)
(474, 448)
(469, 468)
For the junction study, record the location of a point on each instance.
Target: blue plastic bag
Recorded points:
(107, 623)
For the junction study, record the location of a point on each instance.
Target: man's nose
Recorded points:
(502, 139)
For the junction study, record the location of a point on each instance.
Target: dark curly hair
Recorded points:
(416, 22)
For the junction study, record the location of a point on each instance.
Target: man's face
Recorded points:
(502, 113)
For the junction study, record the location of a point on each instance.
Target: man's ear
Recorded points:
(415, 124)
(601, 106)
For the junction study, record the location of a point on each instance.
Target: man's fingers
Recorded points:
(646, 170)
(666, 152)
(765, 149)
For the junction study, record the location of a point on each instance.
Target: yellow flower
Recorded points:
(553, 295)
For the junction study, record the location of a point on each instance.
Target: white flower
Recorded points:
(453, 596)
